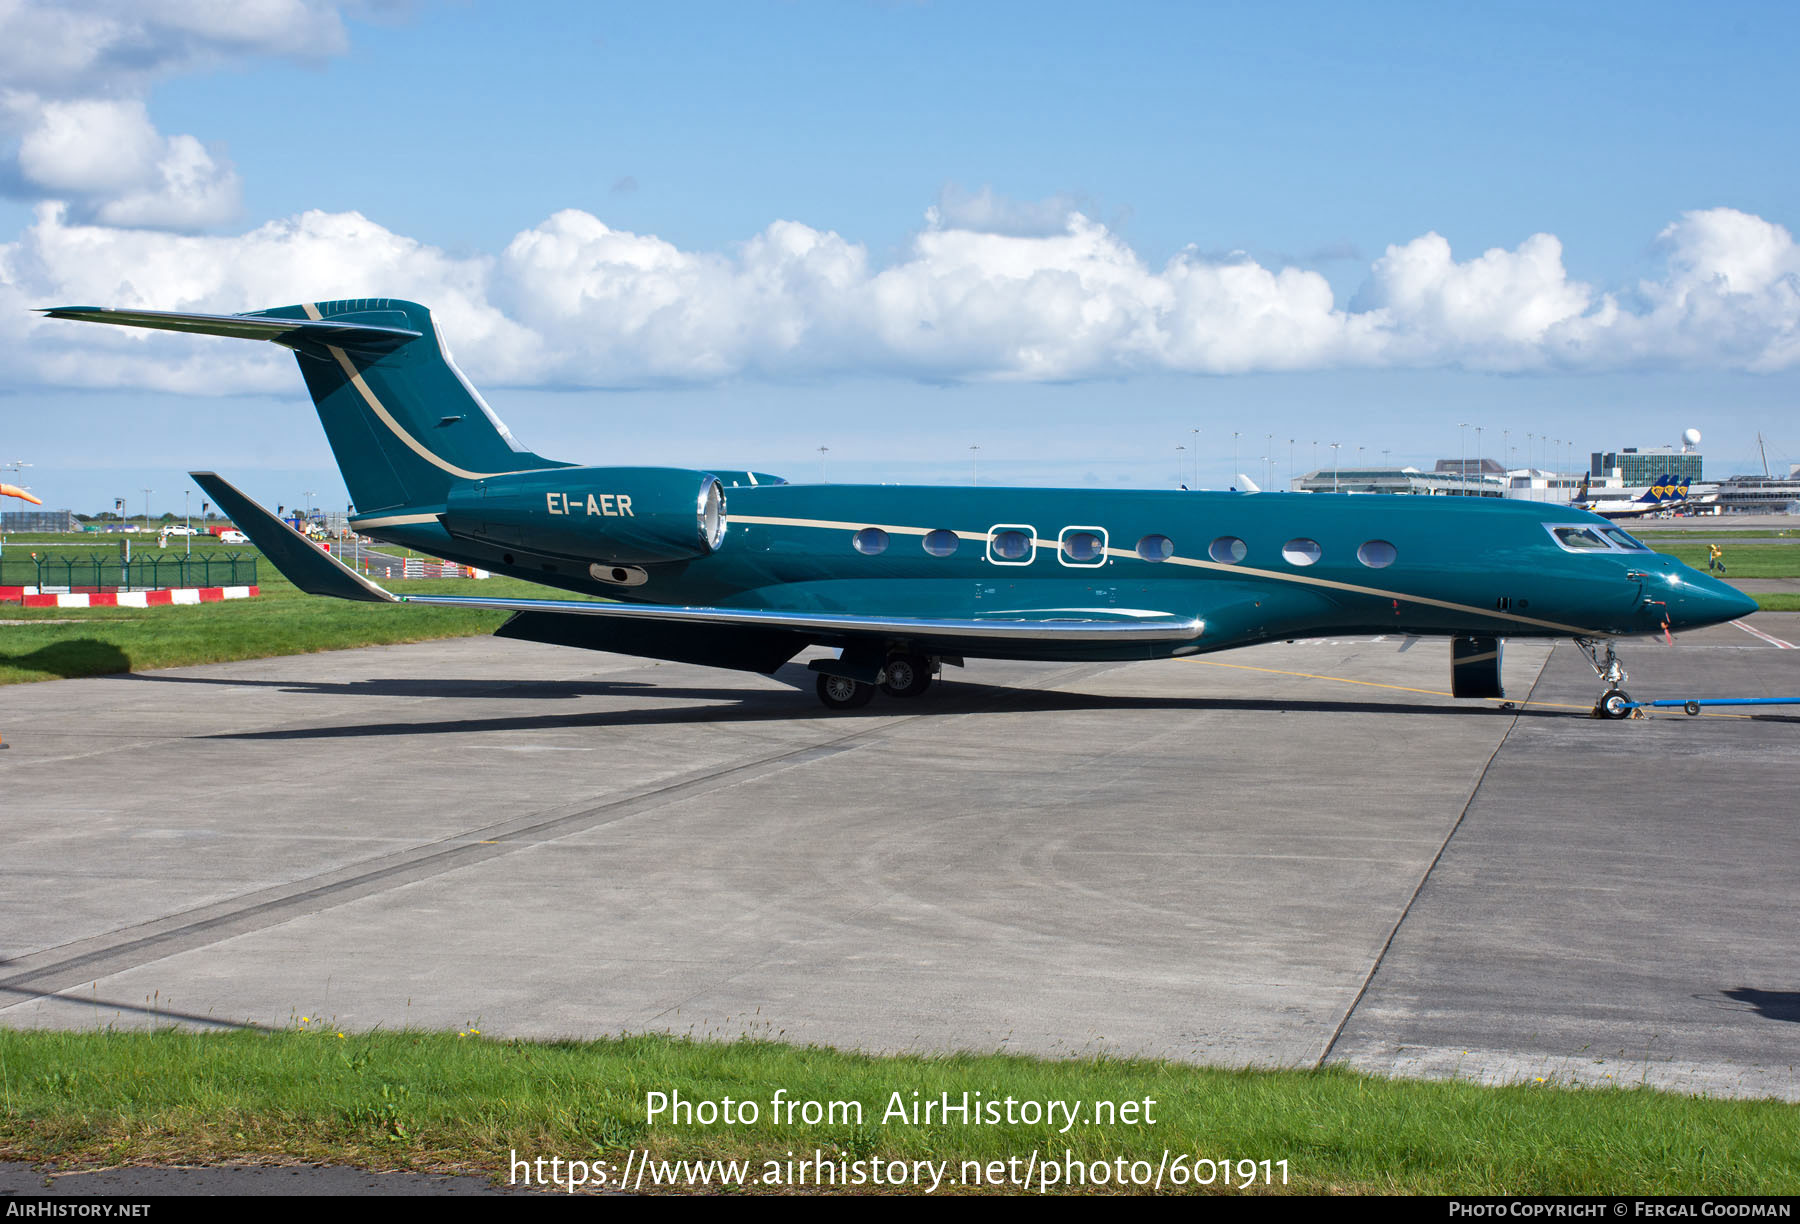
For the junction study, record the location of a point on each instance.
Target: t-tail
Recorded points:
(403, 422)
(1666, 490)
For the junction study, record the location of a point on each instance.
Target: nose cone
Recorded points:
(1696, 600)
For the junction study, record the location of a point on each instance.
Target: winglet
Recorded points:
(302, 563)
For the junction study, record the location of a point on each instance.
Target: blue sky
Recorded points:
(1068, 236)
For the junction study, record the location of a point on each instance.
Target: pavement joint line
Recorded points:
(1425, 876)
(106, 955)
(1066, 675)
(96, 957)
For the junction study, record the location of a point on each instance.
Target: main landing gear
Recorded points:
(1615, 702)
(908, 675)
(903, 675)
(843, 693)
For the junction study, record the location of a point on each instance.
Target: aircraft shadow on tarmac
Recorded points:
(733, 704)
(1770, 1004)
(674, 705)
(75, 658)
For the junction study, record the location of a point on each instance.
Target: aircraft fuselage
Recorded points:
(1251, 567)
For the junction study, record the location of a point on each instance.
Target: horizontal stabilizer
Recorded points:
(287, 332)
(300, 561)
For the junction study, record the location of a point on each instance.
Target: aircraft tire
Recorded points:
(1615, 703)
(1692, 707)
(908, 675)
(842, 693)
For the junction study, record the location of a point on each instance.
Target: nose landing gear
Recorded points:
(1615, 702)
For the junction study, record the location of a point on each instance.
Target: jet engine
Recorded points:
(611, 515)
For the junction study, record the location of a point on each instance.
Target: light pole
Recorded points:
(17, 468)
(187, 517)
(975, 462)
(1290, 465)
(147, 493)
(1462, 459)
(1234, 458)
(1180, 462)
(822, 452)
(1196, 434)
(1334, 467)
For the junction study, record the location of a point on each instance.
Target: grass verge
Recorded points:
(441, 1101)
(60, 643)
(1744, 558)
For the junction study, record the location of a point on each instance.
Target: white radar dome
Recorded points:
(1691, 437)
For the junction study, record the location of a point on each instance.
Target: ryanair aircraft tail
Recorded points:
(402, 420)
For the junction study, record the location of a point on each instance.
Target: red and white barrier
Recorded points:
(31, 597)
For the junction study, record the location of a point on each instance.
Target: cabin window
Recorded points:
(870, 541)
(1301, 551)
(940, 543)
(1011, 545)
(1580, 539)
(1227, 550)
(1156, 548)
(1377, 554)
(1083, 546)
(1624, 539)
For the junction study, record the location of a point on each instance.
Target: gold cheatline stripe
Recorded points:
(1272, 575)
(392, 520)
(417, 447)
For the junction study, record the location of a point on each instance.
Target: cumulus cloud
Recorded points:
(575, 302)
(76, 75)
(98, 48)
(987, 211)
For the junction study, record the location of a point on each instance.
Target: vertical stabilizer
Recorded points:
(402, 420)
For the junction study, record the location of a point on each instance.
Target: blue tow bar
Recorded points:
(1693, 705)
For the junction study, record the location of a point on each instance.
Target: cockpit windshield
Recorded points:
(1624, 539)
(1580, 539)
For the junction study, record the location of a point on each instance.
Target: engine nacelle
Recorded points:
(622, 515)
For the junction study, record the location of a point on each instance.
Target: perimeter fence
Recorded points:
(104, 571)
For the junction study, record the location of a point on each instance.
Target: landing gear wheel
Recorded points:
(1615, 703)
(843, 693)
(1692, 707)
(907, 676)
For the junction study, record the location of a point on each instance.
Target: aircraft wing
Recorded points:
(319, 573)
(1031, 624)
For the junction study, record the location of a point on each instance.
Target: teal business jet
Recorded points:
(743, 570)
